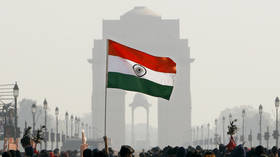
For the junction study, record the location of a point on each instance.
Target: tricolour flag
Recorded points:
(133, 70)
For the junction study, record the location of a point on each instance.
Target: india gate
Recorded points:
(144, 30)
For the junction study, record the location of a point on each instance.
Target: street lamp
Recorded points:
(72, 118)
(202, 137)
(208, 130)
(76, 126)
(224, 118)
(250, 138)
(243, 125)
(276, 131)
(33, 110)
(266, 137)
(216, 131)
(56, 114)
(78, 120)
(260, 112)
(16, 94)
(197, 134)
(66, 118)
(45, 103)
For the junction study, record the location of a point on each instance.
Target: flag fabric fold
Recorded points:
(134, 70)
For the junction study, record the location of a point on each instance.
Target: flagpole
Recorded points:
(106, 85)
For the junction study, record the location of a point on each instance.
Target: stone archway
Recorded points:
(144, 30)
(140, 101)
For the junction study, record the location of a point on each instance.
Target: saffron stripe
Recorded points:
(161, 64)
(125, 66)
(133, 83)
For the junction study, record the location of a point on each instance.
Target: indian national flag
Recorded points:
(133, 70)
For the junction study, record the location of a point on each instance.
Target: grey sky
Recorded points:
(45, 44)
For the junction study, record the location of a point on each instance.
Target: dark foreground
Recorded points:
(127, 151)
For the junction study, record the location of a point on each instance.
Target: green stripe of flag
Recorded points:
(137, 84)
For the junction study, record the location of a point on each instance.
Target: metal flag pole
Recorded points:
(106, 84)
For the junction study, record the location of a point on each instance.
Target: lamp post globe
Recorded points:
(45, 103)
(243, 113)
(66, 115)
(16, 90)
(33, 108)
(260, 109)
(277, 102)
(56, 111)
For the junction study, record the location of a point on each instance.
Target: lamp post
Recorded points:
(224, 119)
(78, 122)
(250, 138)
(66, 120)
(16, 94)
(45, 108)
(52, 138)
(243, 125)
(276, 131)
(260, 112)
(72, 118)
(197, 134)
(208, 131)
(76, 126)
(56, 114)
(266, 137)
(33, 109)
(202, 137)
(216, 131)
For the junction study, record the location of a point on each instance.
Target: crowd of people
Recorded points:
(128, 151)
(29, 144)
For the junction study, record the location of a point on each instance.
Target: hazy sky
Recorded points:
(44, 45)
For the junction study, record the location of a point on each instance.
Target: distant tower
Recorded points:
(142, 29)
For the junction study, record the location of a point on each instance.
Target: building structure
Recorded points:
(142, 29)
